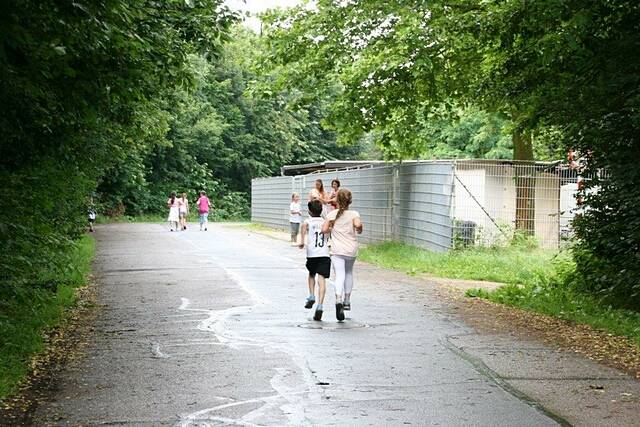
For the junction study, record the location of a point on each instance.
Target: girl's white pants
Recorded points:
(343, 267)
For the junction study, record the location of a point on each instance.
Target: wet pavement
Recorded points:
(209, 329)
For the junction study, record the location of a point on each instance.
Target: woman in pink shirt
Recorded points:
(318, 193)
(203, 209)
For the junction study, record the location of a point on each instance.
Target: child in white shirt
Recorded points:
(318, 260)
(296, 216)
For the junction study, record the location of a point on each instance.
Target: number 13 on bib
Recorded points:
(316, 240)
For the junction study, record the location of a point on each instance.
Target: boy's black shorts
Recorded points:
(320, 265)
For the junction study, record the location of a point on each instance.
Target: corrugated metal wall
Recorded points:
(436, 204)
(424, 205)
(270, 199)
(371, 197)
(410, 202)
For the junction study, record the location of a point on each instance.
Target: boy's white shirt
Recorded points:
(295, 207)
(316, 242)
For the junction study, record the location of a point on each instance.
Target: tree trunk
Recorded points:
(525, 178)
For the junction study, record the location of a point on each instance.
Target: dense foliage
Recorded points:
(217, 135)
(575, 65)
(568, 71)
(79, 84)
(127, 101)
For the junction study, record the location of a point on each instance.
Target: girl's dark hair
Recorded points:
(173, 197)
(337, 181)
(321, 186)
(315, 207)
(202, 193)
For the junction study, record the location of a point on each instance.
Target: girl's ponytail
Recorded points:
(344, 200)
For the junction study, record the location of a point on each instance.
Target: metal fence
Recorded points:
(424, 201)
(270, 198)
(441, 204)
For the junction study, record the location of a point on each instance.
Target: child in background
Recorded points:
(333, 196)
(296, 216)
(318, 261)
(183, 210)
(344, 225)
(174, 216)
(203, 209)
(91, 213)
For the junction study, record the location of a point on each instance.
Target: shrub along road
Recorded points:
(208, 329)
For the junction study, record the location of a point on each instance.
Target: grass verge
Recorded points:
(514, 264)
(252, 226)
(28, 312)
(129, 218)
(193, 217)
(535, 279)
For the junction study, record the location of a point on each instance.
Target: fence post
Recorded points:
(395, 202)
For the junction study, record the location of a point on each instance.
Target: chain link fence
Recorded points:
(441, 204)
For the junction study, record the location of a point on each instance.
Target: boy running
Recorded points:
(318, 261)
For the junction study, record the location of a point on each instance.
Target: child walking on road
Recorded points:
(318, 261)
(296, 216)
(183, 210)
(203, 209)
(344, 225)
(174, 212)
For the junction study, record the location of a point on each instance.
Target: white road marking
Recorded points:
(290, 400)
(155, 349)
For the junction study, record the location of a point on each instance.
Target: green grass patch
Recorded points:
(513, 264)
(102, 219)
(26, 312)
(535, 279)
(192, 218)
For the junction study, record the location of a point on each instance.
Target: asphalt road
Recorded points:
(209, 328)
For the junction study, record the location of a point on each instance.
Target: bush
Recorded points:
(608, 250)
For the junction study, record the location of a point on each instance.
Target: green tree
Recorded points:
(230, 126)
(568, 68)
(79, 83)
(470, 134)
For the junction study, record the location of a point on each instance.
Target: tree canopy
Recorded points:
(565, 70)
(126, 101)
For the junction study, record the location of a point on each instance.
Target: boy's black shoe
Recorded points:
(309, 303)
(318, 315)
(339, 311)
(346, 306)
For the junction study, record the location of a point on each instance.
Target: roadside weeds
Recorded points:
(63, 345)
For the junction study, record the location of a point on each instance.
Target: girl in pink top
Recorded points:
(183, 210)
(344, 225)
(203, 209)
